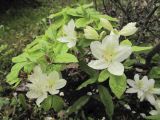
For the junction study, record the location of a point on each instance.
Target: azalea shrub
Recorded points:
(82, 57)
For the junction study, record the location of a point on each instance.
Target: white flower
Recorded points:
(144, 88)
(54, 83)
(109, 54)
(41, 84)
(70, 34)
(157, 106)
(129, 29)
(106, 24)
(91, 33)
(37, 86)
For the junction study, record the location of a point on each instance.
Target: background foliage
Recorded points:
(18, 27)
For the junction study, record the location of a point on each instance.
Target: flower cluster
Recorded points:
(144, 88)
(42, 83)
(145, 91)
(109, 53)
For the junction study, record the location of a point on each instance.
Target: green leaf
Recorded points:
(104, 75)
(53, 101)
(51, 32)
(12, 77)
(74, 12)
(118, 85)
(86, 68)
(155, 72)
(56, 14)
(47, 103)
(20, 58)
(3, 101)
(139, 49)
(153, 117)
(29, 67)
(106, 99)
(108, 18)
(65, 58)
(60, 48)
(57, 103)
(82, 22)
(126, 42)
(35, 56)
(22, 101)
(87, 82)
(78, 104)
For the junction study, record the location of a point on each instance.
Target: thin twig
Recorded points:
(152, 53)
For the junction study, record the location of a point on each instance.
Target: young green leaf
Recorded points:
(57, 103)
(12, 77)
(139, 49)
(82, 22)
(47, 103)
(126, 42)
(104, 75)
(86, 68)
(87, 82)
(53, 101)
(65, 58)
(20, 58)
(106, 99)
(155, 72)
(118, 84)
(22, 101)
(153, 117)
(78, 104)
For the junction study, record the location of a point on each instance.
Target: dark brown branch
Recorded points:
(104, 5)
(144, 26)
(152, 53)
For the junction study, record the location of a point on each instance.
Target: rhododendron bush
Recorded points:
(90, 45)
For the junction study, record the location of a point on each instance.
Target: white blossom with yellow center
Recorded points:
(41, 84)
(69, 34)
(144, 88)
(109, 54)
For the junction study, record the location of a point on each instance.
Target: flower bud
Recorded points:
(106, 24)
(91, 33)
(129, 29)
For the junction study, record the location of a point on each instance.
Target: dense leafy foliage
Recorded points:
(52, 54)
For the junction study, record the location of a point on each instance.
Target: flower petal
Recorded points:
(32, 94)
(96, 49)
(109, 42)
(136, 77)
(131, 83)
(41, 98)
(151, 82)
(145, 79)
(71, 44)
(98, 64)
(131, 90)
(116, 68)
(69, 28)
(122, 53)
(63, 39)
(60, 83)
(54, 75)
(153, 112)
(156, 91)
(53, 91)
(151, 99)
